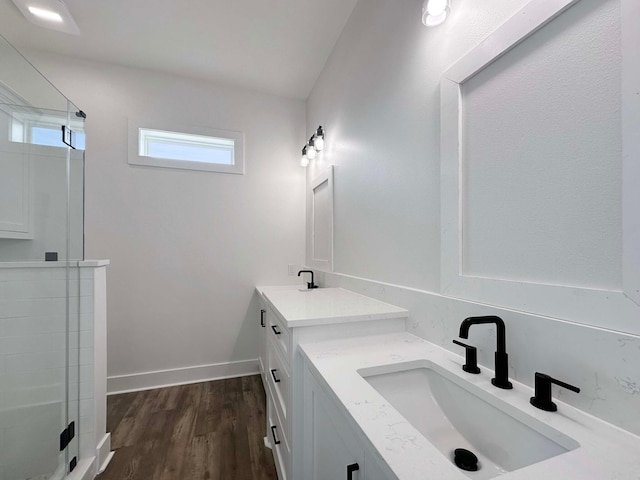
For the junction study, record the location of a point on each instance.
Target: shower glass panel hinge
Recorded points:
(68, 137)
(67, 435)
(73, 463)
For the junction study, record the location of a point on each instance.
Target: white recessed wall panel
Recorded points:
(320, 214)
(541, 156)
(321, 222)
(543, 231)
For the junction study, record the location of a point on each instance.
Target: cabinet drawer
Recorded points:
(279, 378)
(279, 445)
(278, 332)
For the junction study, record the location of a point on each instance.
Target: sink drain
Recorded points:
(465, 459)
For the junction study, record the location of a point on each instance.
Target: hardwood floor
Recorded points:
(205, 431)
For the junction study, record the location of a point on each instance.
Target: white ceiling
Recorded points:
(275, 46)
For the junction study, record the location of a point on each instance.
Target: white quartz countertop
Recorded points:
(57, 264)
(605, 453)
(300, 307)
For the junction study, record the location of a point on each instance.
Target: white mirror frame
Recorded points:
(319, 264)
(614, 310)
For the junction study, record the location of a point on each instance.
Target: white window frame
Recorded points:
(135, 142)
(611, 309)
(22, 124)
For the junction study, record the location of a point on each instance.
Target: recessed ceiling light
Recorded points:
(52, 14)
(434, 12)
(46, 14)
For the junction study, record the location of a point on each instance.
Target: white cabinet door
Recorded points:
(375, 469)
(15, 196)
(331, 452)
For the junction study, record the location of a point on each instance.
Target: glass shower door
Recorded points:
(80, 336)
(41, 202)
(33, 314)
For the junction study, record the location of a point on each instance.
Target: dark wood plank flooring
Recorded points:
(204, 431)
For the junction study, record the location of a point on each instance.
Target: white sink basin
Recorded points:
(452, 413)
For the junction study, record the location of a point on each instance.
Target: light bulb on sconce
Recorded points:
(435, 12)
(304, 161)
(318, 139)
(311, 151)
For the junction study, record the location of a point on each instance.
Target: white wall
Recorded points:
(186, 248)
(379, 101)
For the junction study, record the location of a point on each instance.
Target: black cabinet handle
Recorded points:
(273, 374)
(273, 434)
(275, 330)
(262, 312)
(354, 467)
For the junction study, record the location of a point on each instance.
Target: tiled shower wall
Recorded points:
(33, 341)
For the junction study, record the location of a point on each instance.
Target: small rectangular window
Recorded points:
(221, 151)
(46, 130)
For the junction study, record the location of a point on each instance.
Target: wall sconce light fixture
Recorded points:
(435, 12)
(311, 149)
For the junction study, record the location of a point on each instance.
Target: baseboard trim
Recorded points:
(180, 376)
(104, 453)
(104, 466)
(85, 470)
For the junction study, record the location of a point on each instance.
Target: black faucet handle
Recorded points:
(471, 357)
(542, 398)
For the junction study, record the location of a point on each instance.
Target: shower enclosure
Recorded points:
(42, 370)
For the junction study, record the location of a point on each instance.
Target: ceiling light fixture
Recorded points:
(45, 14)
(51, 14)
(435, 12)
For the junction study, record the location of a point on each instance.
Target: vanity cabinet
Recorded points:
(330, 447)
(291, 317)
(16, 216)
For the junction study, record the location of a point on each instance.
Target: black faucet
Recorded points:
(310, 284)
(542, 398)
(501, 379)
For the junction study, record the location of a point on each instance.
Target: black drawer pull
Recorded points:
(275, 330)
(273, 374)
(273, 434)
(262, 312)
(350, 469)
